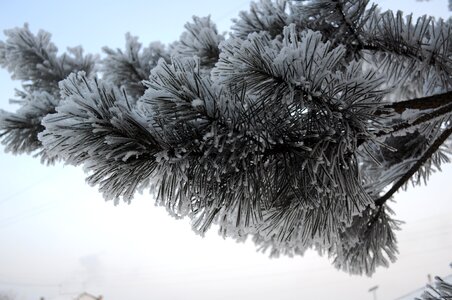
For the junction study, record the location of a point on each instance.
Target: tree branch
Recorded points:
(427, 154)
(348, 24)
(447, 109)
(423, 103)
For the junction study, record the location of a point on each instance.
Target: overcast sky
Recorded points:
(58, 237)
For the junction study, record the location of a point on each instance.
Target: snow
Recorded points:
(197, 103)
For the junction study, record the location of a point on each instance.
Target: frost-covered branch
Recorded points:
(33, 59)
(20, 130)
(291, 130)
(423, 45)
(419, 162)
(264, 16)
(130, 68)
(201, 39)
(95, 126)
(368, 243)
(440, 290)
(420, 104)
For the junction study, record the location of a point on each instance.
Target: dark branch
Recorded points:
(447, 109)
(424, 158)
(423, 103)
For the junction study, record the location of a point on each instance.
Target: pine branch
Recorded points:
(348, 24)
(427, 155)
(423, 103)
(422, 46)
(260, 134)
(413, 122)
(130, 68)
(264, 16)
(95, 126)
(429, 108)
(200, 39)
(441, 290)
(409, 146)
(369, 242)
(19, 131)
(33, 58)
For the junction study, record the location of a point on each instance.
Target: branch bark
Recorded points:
(423, 103)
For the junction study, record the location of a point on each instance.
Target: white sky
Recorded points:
(58, 237)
